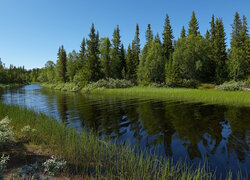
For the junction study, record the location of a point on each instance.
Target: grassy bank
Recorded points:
(209, 96)
(4, 86)
(90, 157)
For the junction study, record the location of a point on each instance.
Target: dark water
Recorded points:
(194, 132)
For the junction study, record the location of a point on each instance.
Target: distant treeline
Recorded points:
(192, 57)
(13, 74)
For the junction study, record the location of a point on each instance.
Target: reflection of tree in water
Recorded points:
(62, 106)
(194, 122)
(156, 121)
(240, 127)
(195, 125)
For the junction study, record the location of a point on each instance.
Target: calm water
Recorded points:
(194, 132)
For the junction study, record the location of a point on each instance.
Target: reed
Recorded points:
(207, 96)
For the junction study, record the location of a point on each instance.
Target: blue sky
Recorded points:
(32, 30)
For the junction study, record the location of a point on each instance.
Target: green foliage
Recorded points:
(61, 65)
(109, 84)
(154, 67)
(167, 38)
(6, 132)
(92, 67)
(220, 55)
(172, 74)
(28, 133)
(105, 48)
(193, 26)
(231, 86)
(116, 62)
(183, 32)
(3, 163)
(191, 57)
(54, 166)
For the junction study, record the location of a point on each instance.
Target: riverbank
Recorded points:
(207, 96)
(88, 156)
(5, 86)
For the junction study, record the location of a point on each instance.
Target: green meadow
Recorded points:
(208, 96)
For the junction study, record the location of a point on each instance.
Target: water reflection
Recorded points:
(193, 132)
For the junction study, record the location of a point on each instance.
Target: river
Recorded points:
(182, 131)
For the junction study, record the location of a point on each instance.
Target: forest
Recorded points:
(190, 59)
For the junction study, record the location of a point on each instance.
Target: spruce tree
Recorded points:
(167, 38)
(141, 68)
(92, 68)
(193, 26)
(236, 30)
(82, 50)
(116, 66)
(136, 43)
(130, 64)
(183, 32)
(239, 52)
(212, 30)
(220, 51)
(105, 48)
(123, 62)
(62, 65)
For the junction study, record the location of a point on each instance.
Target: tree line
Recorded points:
(13, 74)
(192, 57)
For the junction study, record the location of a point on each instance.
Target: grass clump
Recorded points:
(232, 86)
(208, 96)
(89, 156)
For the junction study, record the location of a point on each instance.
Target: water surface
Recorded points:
(193, 132)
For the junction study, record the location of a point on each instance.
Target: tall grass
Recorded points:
(209, 96)
(92, 157)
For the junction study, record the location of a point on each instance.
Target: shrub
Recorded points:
(157, 85)
(54, 167)
(6, 132)
(27, 132)
(231, 86)
(109, 84)
(27, 172)
(3, 162)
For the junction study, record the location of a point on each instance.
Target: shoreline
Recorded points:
(206, 96)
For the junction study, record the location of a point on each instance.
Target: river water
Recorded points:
(182, 131)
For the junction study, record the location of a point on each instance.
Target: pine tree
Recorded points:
(183, 32)
(193, 26)
(167, 38)
(105, 48)
(220, 51)
(92, 67)
(116, 66)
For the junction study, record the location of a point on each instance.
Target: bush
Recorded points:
(231, 86)
(109, 84)
(157, 85)
(27, 132)
(54, 167)
(3, 162)
(6, 132)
